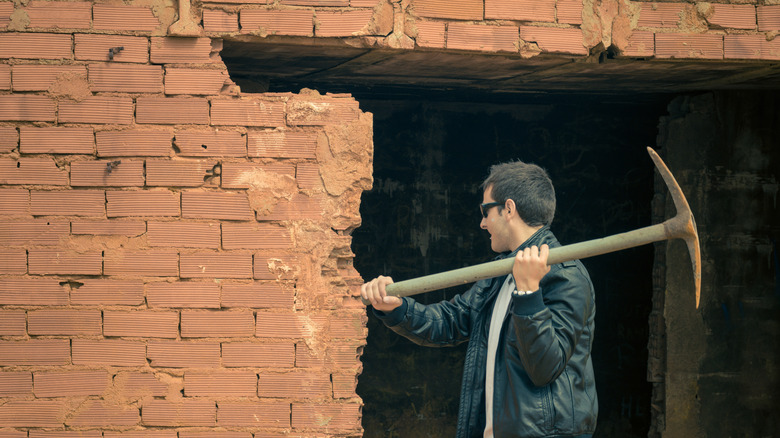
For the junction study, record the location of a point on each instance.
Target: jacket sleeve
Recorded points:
(549, 324)
(443, 324)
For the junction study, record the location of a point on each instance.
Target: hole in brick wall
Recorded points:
(432, 150)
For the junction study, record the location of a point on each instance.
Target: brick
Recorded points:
(344, 385)
(768, 18)
(454, 9)
(184, 294)
(35, 352)
(430, 34)
(9, 138)
(13, 261)
(220, 384)
(276, 266)
(36, 46)
(254, 414)
(343, 23)
(305, 111)
(308, 176)
(363, 3)
(94, 47)
(11, 433)
(96, 292)
(214, 434)
(39, 77)
(700, 46)
(250, 354)
(70, 383)
(142, 203)
(65, 434)
(217, 20)
(56, 140)
(68, 203)
(32, 291)
(98, 413)
(297, 22)
(134, 142)
(141, 323)
(215, 143)
(216, 205)
(31, 171)
(152, 263)
(118, 173)
(65, 262)
(255, 236)
(12, 323)
(569, 11)
(15, 383)
(109, 227)
(184, 234)
(26, 107)
(296, 385)
(175, 50)
(172, 110)
(115, 352)
(751, 47)
(6, 9)
(121, 17)
(182, 173)
(326, 416)
(178, 354)
(14, 202)
(344, 355)
(216, 265)
(33, 413)
(97, 109)
(257, 295)
(300, 207)
(65, 322)
(281, 325)
(247, 112)
(555, 40)
(126, 78)
(194, 81)
(244, 175)
(189, 412)
(521, 10)
(33, 232)
(5, 77)
(662, 15)
(641, 43)
(733, 16)
(59, 15)
(200, 324)
(134, 384)
(282, 144)
(340, 3)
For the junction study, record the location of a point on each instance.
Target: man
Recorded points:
(528, 370)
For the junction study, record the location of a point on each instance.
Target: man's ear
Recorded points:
(510, 207)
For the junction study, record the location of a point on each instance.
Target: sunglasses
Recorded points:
(485, 208)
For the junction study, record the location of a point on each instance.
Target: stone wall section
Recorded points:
(174, 254)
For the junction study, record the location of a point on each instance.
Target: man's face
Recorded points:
(495, 223)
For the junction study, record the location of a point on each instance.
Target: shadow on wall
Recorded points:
(421, 217)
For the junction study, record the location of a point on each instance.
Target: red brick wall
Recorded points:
(174, 254)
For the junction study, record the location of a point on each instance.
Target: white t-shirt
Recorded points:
(500, 310)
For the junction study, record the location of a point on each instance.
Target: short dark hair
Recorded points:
(528, 185)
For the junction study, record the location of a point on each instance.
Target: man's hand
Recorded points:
(374, 291)
(530, 267)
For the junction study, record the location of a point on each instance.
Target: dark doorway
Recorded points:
(433, 147)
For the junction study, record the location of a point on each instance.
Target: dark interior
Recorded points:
(440, 121)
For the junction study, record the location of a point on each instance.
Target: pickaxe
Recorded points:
(681, 226)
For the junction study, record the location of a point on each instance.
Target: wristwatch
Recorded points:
(519, 293)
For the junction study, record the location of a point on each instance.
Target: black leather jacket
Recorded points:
(544, 383)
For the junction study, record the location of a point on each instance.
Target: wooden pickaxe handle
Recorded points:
(681, 226)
